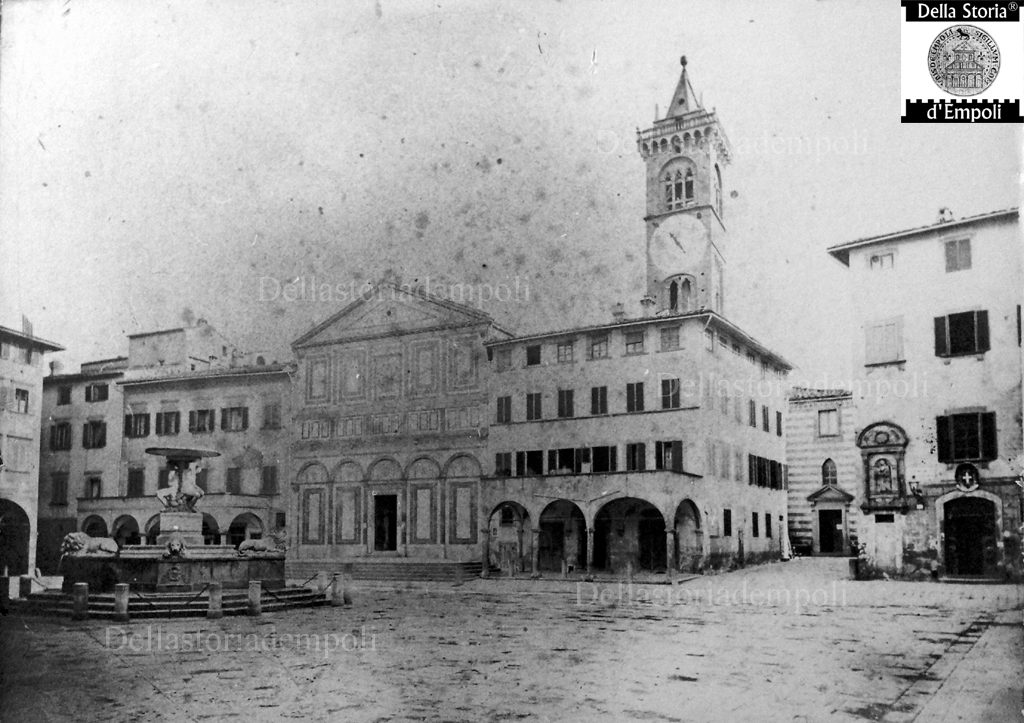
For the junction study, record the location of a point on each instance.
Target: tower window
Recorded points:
(688, 185)
(679, 187)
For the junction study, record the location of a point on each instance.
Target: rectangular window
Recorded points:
(136, 482)
(726, 523)
(136, 425)
(565, 403)
(635, 397)
(234, 419)
(599, 400)
(163, 478)
(97, 393)
(565, 460)
(828, 423)
(965, 333)
(233, 484)
(669, 338)
(21, 401)
(268, 480)
(778, 424)
(670, 393)
(63, 395)
(59, 489)
(967, 437)
(753, 524)
(752, 408)
(60, 436)
(565, 352)
(737, 465)
(603, 459)
(598, 348)
(94, 488)
(503, 360)
(94, 435)
(272, 415)
(767, 525)
(201, 421)
(533, 406)
(634, 342)
(884, 341)
(504, 410)
(529, 463)
(203, 478)
(764, 418)
(882, 261)
(533, 355)
(503, 464)
(636, 457)
(168, 423)
(669, 455)
(958, 255)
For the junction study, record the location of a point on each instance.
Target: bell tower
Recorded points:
(685, 152)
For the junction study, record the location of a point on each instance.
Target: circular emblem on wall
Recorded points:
(963, 60)
(967, 477)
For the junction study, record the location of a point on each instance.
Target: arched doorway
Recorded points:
(126, 531)
(511, 543)
(629, 530)
(689, 539)
(246, 526)
(970, 527)
(94, 526)
(211, 530)
(14, 534)
(563, 537)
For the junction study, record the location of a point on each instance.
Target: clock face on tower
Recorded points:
(677, 245)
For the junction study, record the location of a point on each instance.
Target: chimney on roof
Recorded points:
(647, 305)
(619, 311)
(56, 368)
(945, 214)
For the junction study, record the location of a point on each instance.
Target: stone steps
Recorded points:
(388, 570)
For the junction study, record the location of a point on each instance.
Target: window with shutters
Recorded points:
(635, 397)
(97, 392)
(752, 413)
(234, 419)
(778, 424)
(967, 437)
(958, 255)
(599, 400)
(503, 413)
(959, 334)
(272, 415)
(94, 488)
(634, 342)
(533, 406)
(530, 462)
(233, 484)
(168, 423)
(598, 347)
(603, 459)
(63, 395)
(503, 464)
(726, 523)
(533, 355)
(668, 455)
(567, 460)
(669, 338)
(94, 434)
(767, 524)
(60, 436)
(670, 393)
(753, 524)
(566, 407)
(268, 481)
(564, 351)
(201, 421)
(884, 341)
(59, 489)
(136, 482)
(636, 457)
(764, 418)
(136, 425)
(21, 401)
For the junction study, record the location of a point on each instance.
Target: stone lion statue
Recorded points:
(274, 543)
(78, 543)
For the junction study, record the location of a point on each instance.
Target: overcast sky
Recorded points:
(163, 163)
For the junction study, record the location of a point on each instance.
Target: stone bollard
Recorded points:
(24, 586)
(255, 591)
(80, 601)
(565, 569)
(322, 581)
(337, 590)
(629, 572)
(216, 609)
(121, 602)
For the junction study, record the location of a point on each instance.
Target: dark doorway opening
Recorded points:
(14, 533)
(385, 523)
(970, 526)
(830, 531)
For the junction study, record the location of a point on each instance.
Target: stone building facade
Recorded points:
(390, 432)
(21, 394)
(825, 472)
(653, 442)
(939, 395)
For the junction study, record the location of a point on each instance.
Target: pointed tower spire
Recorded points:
(685, 98)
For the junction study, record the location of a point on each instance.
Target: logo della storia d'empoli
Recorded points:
(963, 60)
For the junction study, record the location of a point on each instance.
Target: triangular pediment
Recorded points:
(828, 493)
(390, 310)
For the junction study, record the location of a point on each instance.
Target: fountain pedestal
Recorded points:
(188, 524)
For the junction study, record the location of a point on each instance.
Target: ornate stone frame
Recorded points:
(884, 440)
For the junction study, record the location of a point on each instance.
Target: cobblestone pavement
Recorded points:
(783, 642)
